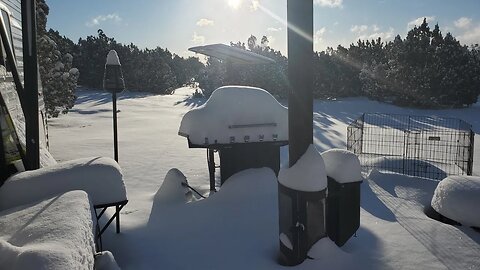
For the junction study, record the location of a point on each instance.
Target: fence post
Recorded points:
(470, 150)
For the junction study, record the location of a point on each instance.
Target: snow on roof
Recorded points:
(342, 165)
(236, 114)
(308, 174)
(112, 58)
(458, 197)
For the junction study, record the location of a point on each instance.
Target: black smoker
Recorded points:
(302, 220)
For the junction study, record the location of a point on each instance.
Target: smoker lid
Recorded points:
(232, 54)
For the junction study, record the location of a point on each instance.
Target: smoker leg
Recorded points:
(211, 168)
(117, 213)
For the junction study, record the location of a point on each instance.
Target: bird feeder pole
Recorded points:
(113, 82)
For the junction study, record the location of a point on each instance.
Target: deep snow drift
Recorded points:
(238, 229)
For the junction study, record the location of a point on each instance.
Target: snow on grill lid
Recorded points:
(236, 114)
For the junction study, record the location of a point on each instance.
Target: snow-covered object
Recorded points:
(308, 174)
(112, 58)
(325, 248)
(173, 189)
(105, 261)
(458, 197)
(246, 114)
(57, 233)
(100, 177)
(342, 165)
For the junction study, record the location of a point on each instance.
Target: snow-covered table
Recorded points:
(57, 233)
(100, 177)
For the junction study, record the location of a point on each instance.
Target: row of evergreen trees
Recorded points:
(65, 64)
(152, 70)
(425, 69)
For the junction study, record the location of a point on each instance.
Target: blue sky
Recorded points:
(180, 24)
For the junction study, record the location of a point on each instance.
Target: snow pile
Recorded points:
(54, 234)
(325, 248)
(247, 114)
(105, 261)
(100, 177)
(342, 165)
(112, 58)
(458, 197)
(286, 241)
(308, 174)
(173, 189)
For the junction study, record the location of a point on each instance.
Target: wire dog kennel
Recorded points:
(424, 146)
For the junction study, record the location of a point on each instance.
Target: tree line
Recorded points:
(424, 69)
(65, 64)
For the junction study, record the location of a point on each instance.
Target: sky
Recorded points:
(181, 24)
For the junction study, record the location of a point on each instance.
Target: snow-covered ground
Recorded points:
(237, 228)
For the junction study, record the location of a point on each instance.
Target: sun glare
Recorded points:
(234, 4)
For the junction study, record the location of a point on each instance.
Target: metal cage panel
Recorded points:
(424, 146)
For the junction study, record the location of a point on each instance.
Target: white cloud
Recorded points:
(419, 21)
(365, 32)
(205, 22)
(471, 36)
(463, 23)
(274, 29)
(385, 35)
(103, 18)
(271, 40)
(198, 39)
(359, 28)
(318, 38)
(254, 5)
(329, 3)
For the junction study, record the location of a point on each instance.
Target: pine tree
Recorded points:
(59, 77)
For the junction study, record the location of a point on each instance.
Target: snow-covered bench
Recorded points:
(101, 178)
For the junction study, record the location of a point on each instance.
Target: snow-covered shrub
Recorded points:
(458, 197)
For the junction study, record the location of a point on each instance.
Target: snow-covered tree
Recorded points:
(59, 77)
